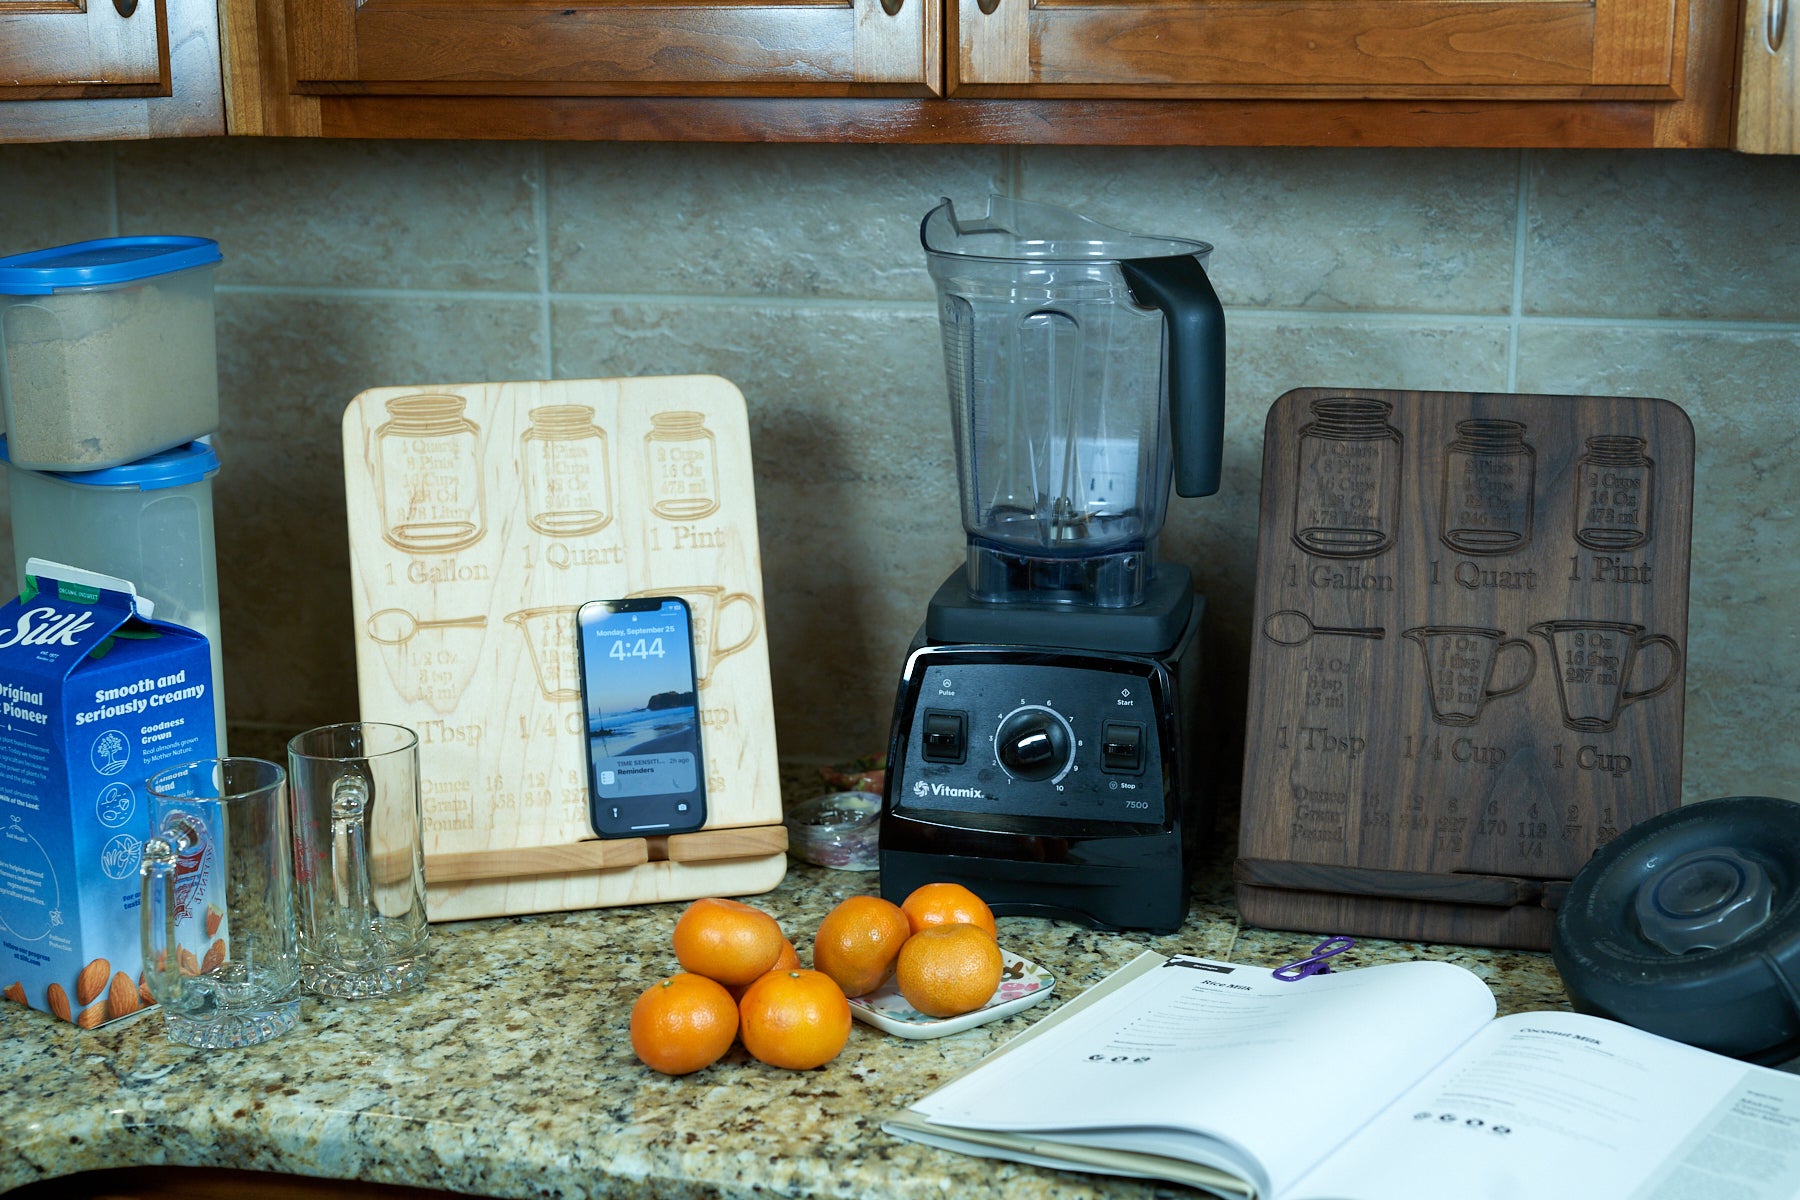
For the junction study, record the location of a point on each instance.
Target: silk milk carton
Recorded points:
(95, 697)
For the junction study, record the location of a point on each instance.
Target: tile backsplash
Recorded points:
(795, 271)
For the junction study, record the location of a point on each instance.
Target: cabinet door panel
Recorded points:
(1321, 48)
(74, 48)
(597, 47)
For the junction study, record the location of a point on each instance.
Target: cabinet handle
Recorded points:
(1776, 29)
(125, 7)
(892, 7)
(987, 7)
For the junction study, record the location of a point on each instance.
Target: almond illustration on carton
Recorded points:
(59, 1001)
(121, 997)
(16, 993)
(92, 1016)
(213, 917)
(215, 957)
(184, 958)
(92, 980)
(145, 999)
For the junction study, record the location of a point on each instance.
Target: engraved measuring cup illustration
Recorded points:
(682, 465)
(709, 605)
(1489, 474)
(1347, 490)
(428, 658)
(428, 475)
(568, 484)
(1459, 668)
(550, 635)
(1594, 662)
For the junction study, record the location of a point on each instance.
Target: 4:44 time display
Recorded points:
(627, 648)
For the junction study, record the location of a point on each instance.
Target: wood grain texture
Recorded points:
(189, 102)
(1563, 116)
(481, 517)
(83, 50)
(1768, 110)
(1499, 124)
(1468, 654)
(616, 48)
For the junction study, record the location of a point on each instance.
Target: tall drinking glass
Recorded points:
(359, 853)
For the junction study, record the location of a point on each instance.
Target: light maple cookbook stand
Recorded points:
(481, 517)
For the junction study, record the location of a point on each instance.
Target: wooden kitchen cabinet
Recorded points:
(1537, 49)
(1201, 72)
(77, 69)
(1768, 111)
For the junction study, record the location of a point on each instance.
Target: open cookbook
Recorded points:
(1392, 1082)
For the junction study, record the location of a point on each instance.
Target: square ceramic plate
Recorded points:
(1022, 984)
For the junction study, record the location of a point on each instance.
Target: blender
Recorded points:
(1045, 740)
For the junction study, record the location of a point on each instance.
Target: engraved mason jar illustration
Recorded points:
(1347, 492)
(429, 459)
(1614, 482)
(568, 487)
(682, 462)
(1489, 473)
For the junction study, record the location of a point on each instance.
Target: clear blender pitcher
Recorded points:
(1086, 368)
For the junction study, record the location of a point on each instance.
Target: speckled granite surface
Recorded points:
(512, 1074)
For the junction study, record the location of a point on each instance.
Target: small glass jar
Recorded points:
(1489, 473)
(1347, 491)
(430, 474)
(682, 460)
(568, 489)
(1614, 483)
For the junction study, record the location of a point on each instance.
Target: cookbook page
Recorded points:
(1232, 1058)
(1558, 1104)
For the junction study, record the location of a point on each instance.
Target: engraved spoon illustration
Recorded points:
(1290, 627)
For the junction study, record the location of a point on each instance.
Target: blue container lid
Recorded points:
(102, 262)
(189, 462)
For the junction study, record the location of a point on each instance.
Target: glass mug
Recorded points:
(217, 911)
(359, 855)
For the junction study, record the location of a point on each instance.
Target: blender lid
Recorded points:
(1021, 229)
(187, 463)
(102, 262)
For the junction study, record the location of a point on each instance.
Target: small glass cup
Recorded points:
(359, 854)
(219, 939)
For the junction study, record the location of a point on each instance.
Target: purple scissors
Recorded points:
(1314, 963)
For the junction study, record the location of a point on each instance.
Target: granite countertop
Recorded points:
(511, 1073)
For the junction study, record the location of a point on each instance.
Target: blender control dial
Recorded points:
(1035, 743)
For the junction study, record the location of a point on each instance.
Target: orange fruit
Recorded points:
(726, 940)
(796, 1019)
(683, 1023)
(786, 961)
(858, 942)
(948, 969)
(947, 904)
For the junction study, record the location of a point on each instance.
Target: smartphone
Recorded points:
(640, 701)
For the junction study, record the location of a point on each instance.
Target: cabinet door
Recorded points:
(614, 48)
(1768, 112)
(74, 48)
(1330, 49)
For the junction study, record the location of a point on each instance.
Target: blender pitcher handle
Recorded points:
(1177, 284)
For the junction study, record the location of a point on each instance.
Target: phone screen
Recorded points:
(641, 705)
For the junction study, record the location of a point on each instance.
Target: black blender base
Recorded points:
(1108, 898)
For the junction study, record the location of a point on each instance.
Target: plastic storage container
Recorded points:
(150, 521)
(107, 351)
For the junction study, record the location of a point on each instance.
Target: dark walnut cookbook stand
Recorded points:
(1468, 657)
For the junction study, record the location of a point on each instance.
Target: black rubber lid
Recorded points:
(1688, 925)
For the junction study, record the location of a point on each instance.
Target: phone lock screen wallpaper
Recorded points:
(643, 731)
